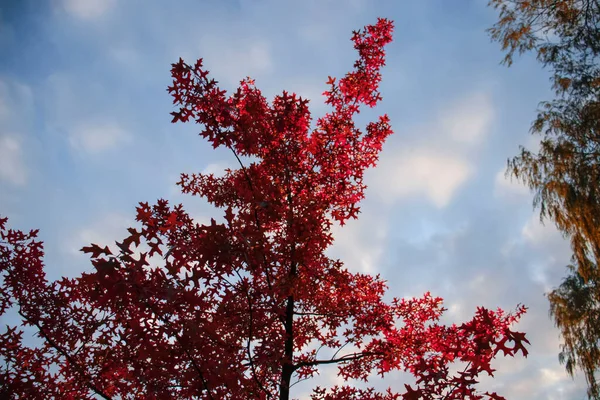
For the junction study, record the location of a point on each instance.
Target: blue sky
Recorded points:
(85, 134)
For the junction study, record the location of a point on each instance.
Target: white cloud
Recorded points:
(552, 376)
(217, 169)
(509, 187)
(423, 172)
(233, 60)
(360, 243)
(311, 90)
(87, 9)
(103, 232)
(16, 114)
(88, 125)
(533, 143)
(97, 138)
(551, 383)
(554, 250)
(444, 157)
(12, 167)
(538, 234)
(460, 310)
(468, 120)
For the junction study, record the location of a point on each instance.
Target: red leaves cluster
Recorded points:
(235, 310)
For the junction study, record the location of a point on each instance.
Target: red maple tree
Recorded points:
(242, 309)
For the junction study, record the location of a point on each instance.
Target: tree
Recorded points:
(575, 305)
(243, 308)
(565, 172)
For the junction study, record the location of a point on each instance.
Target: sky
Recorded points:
(85, 135)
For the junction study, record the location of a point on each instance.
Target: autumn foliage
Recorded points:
(243, 308)
(564, 172)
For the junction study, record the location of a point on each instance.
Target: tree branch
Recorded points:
(343, 359)
(80, 370)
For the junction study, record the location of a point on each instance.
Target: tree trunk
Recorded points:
(287, 368)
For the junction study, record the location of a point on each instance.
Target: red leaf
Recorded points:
(235, 310)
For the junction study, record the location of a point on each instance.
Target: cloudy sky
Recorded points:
(85, 134)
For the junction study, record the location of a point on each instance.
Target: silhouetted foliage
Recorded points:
(565, 172)
(575, 306)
